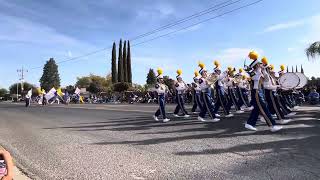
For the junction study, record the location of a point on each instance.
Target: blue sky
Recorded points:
(33, 31)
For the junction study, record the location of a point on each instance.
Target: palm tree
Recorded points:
(313, 50)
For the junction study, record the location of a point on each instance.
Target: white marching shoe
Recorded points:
(291, 114)
(214, 120)
(229, 115)
(249, 108)
(217, 115)
(274, 116)
(186, 116)
(176, 115)
(285, 121)
(275, 128)
(155, 118)
(166, 120)
(239, 112)
(195, 112)
(201, 119)
(250, 127)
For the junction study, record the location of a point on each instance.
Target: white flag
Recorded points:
(29, 94)
(50, 94)
(77, 91)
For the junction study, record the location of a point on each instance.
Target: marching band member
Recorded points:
(161, 90)
(181, 87)
(241, 90)
(282, 96)
(258, 99)
(270, 88)
(231, 94)
(206, 96)
(196, 93)
(220, 92)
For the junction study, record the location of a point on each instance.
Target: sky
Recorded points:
(33, 31)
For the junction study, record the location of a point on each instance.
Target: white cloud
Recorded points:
(291, 49)
(69, 54)
(16, 29)
(312, 21)
(283, 26)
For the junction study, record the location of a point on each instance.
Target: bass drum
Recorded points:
(289, 81)
(303, 80)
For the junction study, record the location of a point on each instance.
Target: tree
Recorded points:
(50, 76)
(95, 87)
(83, 82)
(3, 92)
(129, 71)
(121, 86)
(70, 89)
(26, 87)
(95, 84)
(114, 64)
(168, 81)
(120, 65)
(125, 70)
(151, 77)
(313, 50)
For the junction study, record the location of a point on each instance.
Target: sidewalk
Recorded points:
(17, 174)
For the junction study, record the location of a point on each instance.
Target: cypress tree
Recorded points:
(120, 61)
(125, 72)
(129, 71)
(151, 77)
(50, 76)
(114, 64)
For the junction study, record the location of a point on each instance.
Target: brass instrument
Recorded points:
(237, 79)
(212, 79)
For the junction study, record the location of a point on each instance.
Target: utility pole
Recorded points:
(21, 74)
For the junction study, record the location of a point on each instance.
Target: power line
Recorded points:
(188, 18)
(201, 13)
(187, 27)
(78, 57)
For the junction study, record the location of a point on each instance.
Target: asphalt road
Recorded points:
(123, 142)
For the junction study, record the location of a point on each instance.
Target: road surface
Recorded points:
(123, 142)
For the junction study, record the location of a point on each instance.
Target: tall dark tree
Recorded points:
(50, 77)
(120, 64)
(151, 77)
(125, 71)
(129, 70)
(114, 64)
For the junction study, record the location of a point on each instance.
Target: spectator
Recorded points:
(313, 97)
(6, 165)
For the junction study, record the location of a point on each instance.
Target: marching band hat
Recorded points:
(179, 72)
(253, 55)
(160, 72)
(202, 68)
(264, 61)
